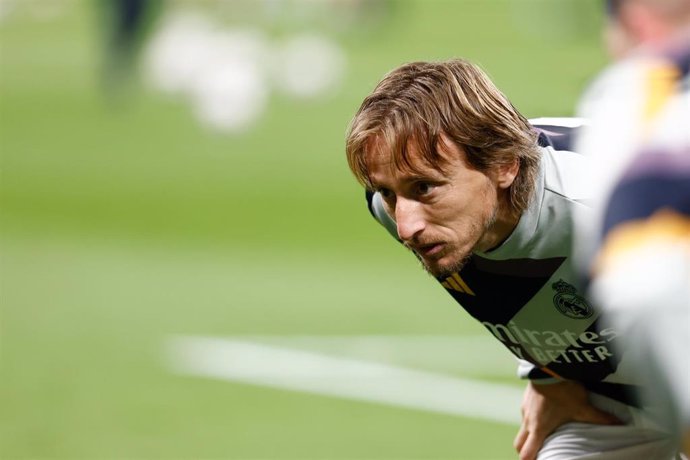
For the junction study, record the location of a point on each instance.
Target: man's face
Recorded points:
(617, 39)
(442, 215)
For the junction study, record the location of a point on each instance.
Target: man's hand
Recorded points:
(546, 407)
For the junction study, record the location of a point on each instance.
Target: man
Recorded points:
(639, 233)
(485, 202)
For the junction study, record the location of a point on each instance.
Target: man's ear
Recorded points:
(505, 174)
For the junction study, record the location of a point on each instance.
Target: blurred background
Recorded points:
(174, 171)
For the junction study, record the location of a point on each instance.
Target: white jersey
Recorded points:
(527, 292)
(639, 233)
(633, 103)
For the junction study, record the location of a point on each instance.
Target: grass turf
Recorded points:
(121, 226)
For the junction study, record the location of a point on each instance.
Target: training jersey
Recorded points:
(526, 292)
(639, 140)
(627, 107)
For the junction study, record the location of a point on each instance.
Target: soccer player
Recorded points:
(639, 140)
(485, 201)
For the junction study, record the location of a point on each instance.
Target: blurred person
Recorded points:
(125, 23)
(485, 200)
(639, 232)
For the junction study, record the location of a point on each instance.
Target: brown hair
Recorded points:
(418, 102)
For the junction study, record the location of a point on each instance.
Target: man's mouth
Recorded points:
(429, 250)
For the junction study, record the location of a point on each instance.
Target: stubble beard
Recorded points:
(462, 259)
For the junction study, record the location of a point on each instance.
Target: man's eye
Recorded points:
(423, 188)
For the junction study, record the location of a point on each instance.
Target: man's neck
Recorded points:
(503, 226)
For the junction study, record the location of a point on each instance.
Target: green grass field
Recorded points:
(126, 225)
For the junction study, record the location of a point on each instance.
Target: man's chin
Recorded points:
(444, 267)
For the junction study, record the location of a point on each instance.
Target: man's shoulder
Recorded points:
(565, 170)
(621, 98)
(566, 173)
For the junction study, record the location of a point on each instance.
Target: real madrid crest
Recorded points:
(569, 302)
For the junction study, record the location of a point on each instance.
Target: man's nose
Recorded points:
(408, 218)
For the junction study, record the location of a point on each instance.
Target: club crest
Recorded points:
(568, 302)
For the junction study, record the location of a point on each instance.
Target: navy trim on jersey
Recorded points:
(654, 181)
(558, 137)
(509, 284)
(681, 59)
(640, 198)
(627, 394)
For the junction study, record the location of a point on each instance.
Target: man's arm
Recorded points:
(546, 407)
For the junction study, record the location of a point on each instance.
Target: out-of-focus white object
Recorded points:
(221, 71)
(230, 91)
(227, 74)
(178, 51)
(231, 97)
(308, 66)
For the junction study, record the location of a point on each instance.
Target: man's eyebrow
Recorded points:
(411, 176)
(415, 176)
(418, 176)
(374, 184)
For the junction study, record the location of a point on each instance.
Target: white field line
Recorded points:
(272, 366)
(473, 355)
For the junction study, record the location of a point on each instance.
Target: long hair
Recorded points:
(420, 102)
